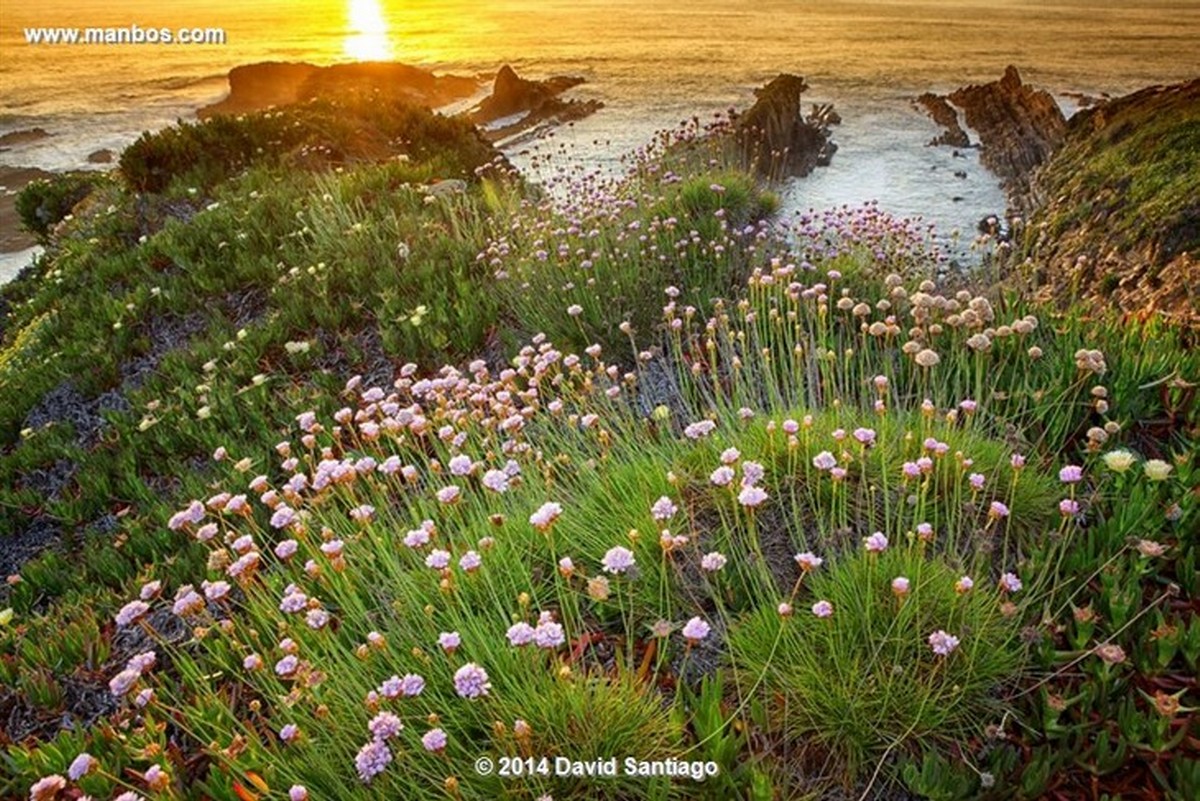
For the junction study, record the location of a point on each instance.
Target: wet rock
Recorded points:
(1019, 128)
(941, 112)
(14, 138)
(102, 156)
(517, 104)
(775, 136)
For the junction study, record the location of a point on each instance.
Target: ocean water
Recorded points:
(654, 63)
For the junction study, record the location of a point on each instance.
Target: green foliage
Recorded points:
(317, 133)
(42, 204)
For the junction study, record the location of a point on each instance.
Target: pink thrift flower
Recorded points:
(712, 562)
(545, 516)
(822, 609)
(752, 497)
(434, 740)
(722, 476)
(385, 726)
(618, 560)
(663, 509)
(371, 760)
(824, 461)
(1070, 474)
(81, 766)
(876, 543)
(471, 681)
(942, 643)
(695, 630)
(808, 561)
(1010, 583)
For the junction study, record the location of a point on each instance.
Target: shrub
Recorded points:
(44, 203)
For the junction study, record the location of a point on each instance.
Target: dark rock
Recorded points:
(776, 138)
(22, 137)
(1019, 127)
(960, 174)
(102, 156)
(941, 112)
(538, 101)
(254, 87)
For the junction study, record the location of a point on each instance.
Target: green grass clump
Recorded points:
(864, 683)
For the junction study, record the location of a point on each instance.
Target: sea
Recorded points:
(653, 63)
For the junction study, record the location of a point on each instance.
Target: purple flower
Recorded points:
(293, 602)
(730, 456)
(545, 516)
(695, 630)
(123, 682)
(822, 609)
(752, 497)
(434, 740)
(969, 406)
(1068, 507)
(132, 612)
(471, 681)
(618, 560)
(289, 732)
(287, 666)
(663, 509)
(998, 510)
(911, 470)
(865, 436)
(1070, 474)
(722, 476)
(371, 760)
(824, 461)
(876, 543)
(900, 586)
(252, 662)
(976, 480)
(700, 430)
(519, 634)
(449, 494)
(384, 726)
(298, 792)
(412, 685)
(449, 641)
(808, 561)
(286, 549)
(549, 635)
(942, 643)
(496, 480)
(1010, 583)
(81, 766)
(752, 473)
(712, 562)
(438, 559)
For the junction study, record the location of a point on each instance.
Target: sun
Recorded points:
(367, 39)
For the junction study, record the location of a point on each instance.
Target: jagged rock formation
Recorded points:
(1018, 126)
(776, 137)
(535, 102)
(1117, 209)
(941, 112)
(254, 87)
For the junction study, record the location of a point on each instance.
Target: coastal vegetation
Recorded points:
(332, 462)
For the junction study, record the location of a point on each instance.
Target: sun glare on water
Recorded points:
(368, 32)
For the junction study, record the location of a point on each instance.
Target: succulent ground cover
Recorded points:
(403, 474)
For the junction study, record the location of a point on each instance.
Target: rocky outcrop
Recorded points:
(944, 114)
(102, 156)
(1018, 127)
(254, 87)
(776, 137)
(12, 138)
(517, 104)
(1116, 211)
